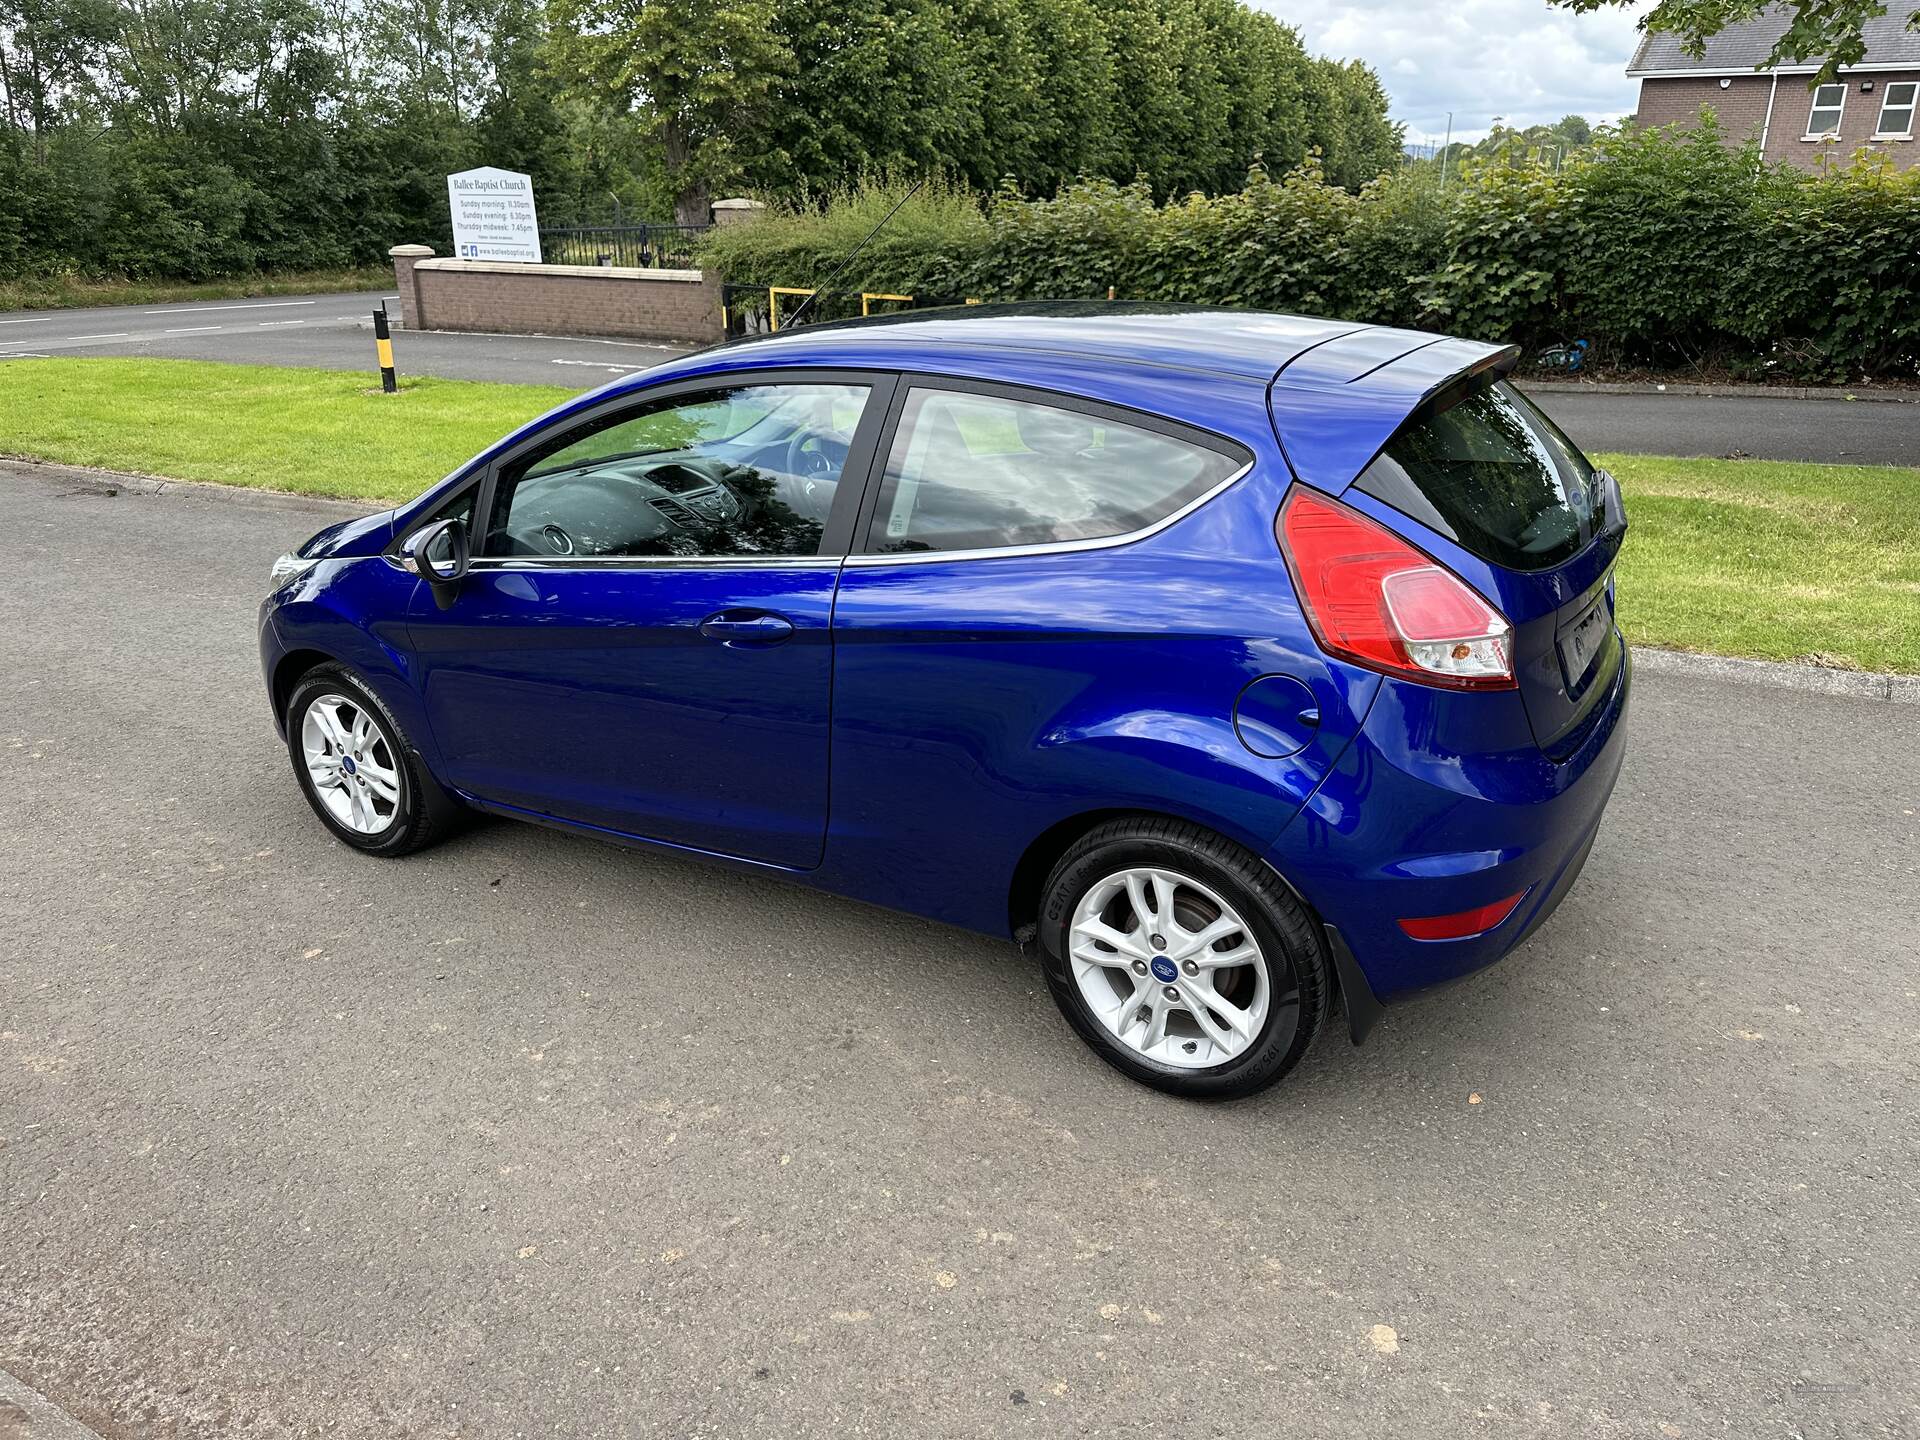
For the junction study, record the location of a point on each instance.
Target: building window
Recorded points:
(1896, 110)
(1828, 103)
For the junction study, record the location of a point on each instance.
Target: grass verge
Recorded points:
(1758, 558)
(313, 432)
(1773, 560)
(65, 292)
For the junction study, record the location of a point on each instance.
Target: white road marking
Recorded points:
(622, 344)
(24, 355)
(257, 305)
(570, 339)
(66, 342)
(597, 365)
(268, 324)
(36, 320)
(109, 335)
(191, 329)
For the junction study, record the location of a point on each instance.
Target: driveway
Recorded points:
(334, 332)
(531, 1136)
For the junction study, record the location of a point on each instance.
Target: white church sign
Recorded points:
(493, 216)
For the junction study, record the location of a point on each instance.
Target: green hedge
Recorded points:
(1663, 248)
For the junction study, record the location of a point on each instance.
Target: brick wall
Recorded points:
(1742, 108)
(678, 306)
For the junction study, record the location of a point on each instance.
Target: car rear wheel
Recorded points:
(356, 769)
(1181, 959)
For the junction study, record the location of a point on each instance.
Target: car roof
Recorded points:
(1253, 345)
(1223, 343)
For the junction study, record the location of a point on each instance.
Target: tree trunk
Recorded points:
(692, 205)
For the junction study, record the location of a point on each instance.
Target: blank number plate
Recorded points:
(1581, 642)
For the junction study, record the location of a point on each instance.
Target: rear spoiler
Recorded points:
(1470, 381)
(1337, 404)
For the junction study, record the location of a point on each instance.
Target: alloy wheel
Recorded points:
(1169, 968)
(350, 763)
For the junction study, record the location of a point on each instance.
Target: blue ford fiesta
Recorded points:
(1233, 661)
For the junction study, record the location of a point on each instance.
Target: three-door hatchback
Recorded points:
(1232, 660)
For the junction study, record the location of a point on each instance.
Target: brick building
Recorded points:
(1872, 106)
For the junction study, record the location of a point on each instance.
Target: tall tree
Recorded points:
(46, 48)
(699, 75)
(1350, 121)
(872, 85)
(193, 138)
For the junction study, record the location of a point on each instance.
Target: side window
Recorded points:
(975, 472)
(750, 470)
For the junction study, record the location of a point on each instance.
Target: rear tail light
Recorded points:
(1462, 924)
(1375, 600)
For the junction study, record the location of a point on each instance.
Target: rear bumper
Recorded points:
(1444, 803)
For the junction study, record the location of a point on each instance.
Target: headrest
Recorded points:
(1059, 433)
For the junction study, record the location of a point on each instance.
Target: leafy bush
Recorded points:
(1509, 236)
(928, 244)
(1835, 280)
(1661, 247)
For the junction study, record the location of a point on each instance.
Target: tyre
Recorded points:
(1181, 959)
(357, 770)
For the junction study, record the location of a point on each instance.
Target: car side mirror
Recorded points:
(438, 554)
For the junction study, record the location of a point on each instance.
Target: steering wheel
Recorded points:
(807, 456)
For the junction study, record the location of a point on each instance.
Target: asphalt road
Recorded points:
(531, 1136)
(334, 332)
(1859, 432)
(327, 332)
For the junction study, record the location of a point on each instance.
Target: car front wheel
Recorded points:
(1181, 959)
(356, 769)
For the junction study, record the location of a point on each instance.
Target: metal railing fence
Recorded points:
(645, 247)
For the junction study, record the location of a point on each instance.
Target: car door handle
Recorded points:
(746, 627)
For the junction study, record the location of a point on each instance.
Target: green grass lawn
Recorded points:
(1735, 557)
(1773, 560)
(62, 292)
(315, 432)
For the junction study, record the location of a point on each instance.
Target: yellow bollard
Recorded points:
(383, 347)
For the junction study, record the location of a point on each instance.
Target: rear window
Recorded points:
(1494, 475)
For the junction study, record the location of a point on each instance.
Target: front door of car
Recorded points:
(643, 640)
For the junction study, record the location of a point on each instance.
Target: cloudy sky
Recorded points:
(1522, 60)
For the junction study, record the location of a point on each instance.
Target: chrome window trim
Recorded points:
(656, 562)
(1051, 547)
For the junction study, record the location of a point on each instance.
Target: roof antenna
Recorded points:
(794, 319)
